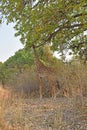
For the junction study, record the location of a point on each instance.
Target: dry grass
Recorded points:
(46, 114)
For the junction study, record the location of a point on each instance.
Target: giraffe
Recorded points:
(44, 71)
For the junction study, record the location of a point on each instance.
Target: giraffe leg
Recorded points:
(40, 87)
(54, 91)
(55, 87)
(52, 84)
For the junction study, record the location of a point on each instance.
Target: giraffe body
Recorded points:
(44, 71)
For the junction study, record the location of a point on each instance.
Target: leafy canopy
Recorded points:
(61, 23)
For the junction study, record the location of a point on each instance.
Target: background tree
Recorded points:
(22, 59)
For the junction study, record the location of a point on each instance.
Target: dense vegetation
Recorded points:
(18, 73)
(58, 23)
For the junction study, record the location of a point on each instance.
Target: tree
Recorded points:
(60, 23)
(20, 60)
(15, 66)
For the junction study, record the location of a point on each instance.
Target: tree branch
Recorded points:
(78, 15)
(52, 35)
(76, 46)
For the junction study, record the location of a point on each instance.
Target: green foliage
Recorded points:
(15, 65)
(58, 22)
(21, 59)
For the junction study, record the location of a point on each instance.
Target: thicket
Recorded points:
(18, 73)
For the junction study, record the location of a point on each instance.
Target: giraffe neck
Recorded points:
(38, 63)
(41, 69)
(36, 55)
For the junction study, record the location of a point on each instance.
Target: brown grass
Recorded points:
(46, 114)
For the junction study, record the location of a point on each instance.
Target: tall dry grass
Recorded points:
(11, 117)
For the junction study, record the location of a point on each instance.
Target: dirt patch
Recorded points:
(47, 114)
(4, 93)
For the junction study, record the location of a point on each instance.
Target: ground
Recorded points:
(47, 114)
